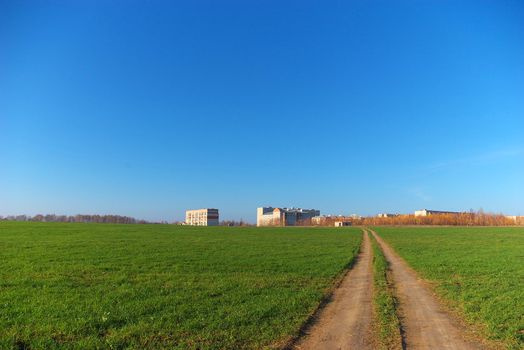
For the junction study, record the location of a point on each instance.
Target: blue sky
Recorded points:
(148, 108)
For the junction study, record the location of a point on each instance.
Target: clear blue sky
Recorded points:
(148, 108)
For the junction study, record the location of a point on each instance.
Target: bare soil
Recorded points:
(425, 322)
(345, 321)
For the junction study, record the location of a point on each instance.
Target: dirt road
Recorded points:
(425, 324)
(345, 322)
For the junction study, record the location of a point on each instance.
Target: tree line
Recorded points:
(85, 218)
(479, 218)
(102, 219)
(471, 218)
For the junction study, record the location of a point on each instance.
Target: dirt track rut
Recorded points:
(345, 322)
(425, 324)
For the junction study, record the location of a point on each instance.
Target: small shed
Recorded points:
(342, 223)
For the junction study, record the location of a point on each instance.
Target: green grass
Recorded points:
(87, 286)
(387, 325)
(478, 270)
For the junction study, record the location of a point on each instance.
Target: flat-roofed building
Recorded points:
(426, 212)
(202, 217)
(269, 216)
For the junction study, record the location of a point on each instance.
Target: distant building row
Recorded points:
(422, 212)
(269, 216)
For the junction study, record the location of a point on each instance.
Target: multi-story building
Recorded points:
(426, 212)
(202, 217)
(269, 216)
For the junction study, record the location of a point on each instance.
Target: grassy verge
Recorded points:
(387, 325)
(103, 286)
(478, 271)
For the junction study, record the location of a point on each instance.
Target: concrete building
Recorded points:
(269, 216)
(202, 217)
(426, 212)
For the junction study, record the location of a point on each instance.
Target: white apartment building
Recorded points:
(269, 216)
(202, 217)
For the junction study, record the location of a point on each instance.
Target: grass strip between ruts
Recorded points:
(386, 322)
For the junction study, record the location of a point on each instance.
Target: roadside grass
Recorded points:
(103, 286)
(479, 271)
(386, 322)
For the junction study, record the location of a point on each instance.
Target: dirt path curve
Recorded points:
(425, 323)
(345, 322)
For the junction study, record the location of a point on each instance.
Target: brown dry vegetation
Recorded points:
(460, 219)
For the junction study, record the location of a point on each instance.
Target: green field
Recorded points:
(479, 270)
(90, 286)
